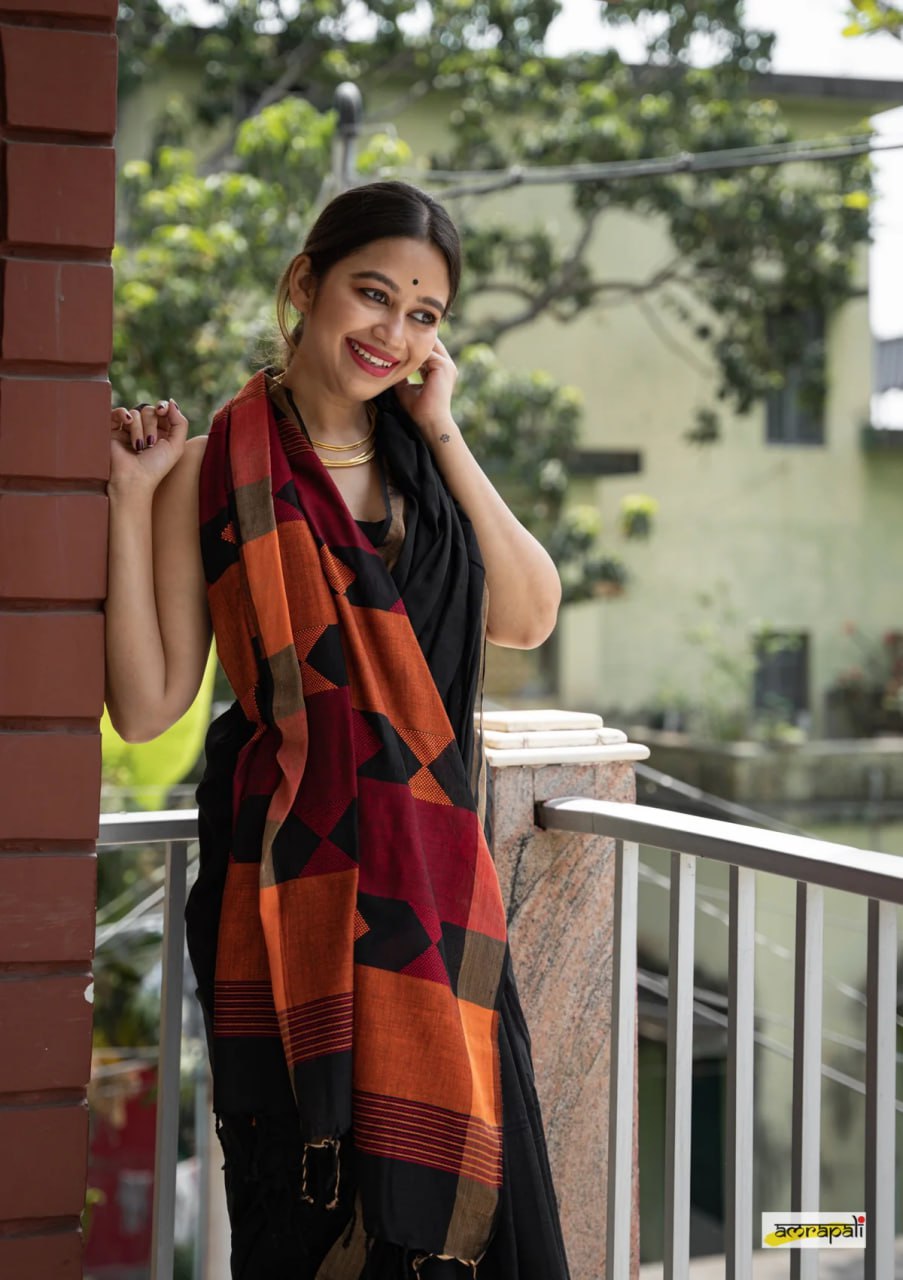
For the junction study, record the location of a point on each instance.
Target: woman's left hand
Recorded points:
(429, 403)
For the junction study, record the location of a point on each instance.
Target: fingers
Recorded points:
(174, 419)
(146, 423)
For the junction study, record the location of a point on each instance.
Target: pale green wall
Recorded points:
(806, 538)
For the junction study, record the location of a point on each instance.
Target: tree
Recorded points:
(871, 17)
(202, 238)
(749, 246)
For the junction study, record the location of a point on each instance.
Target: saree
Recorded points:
(361, 939)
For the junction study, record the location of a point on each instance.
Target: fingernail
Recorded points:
(149, 441)
(139, 445)
(162, 404)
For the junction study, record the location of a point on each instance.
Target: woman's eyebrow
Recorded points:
(383, 279)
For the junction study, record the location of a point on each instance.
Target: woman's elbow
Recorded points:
(135, 730)
(529, 629)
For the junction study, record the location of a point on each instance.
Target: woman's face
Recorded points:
(373, 319)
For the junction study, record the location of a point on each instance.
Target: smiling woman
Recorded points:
(372, 1073)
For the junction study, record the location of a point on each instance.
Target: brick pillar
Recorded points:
(57, 118)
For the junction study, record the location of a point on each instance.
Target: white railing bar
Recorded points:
(167, 1138)
(620, 1212)
(146, 828)
(679, 1087)
(834, 866)
(740, 1059)
(805, 1142)
(880, 1092)
(703, 1010)
(781, 952)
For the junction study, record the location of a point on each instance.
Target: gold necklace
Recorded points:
(350, 462)
(344, 448)
(366, 456)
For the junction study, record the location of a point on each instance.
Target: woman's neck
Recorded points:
(326, 415)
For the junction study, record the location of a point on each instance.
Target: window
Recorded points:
(781, 685)
(795, 414)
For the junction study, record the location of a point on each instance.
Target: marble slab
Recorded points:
(502, 741)
(543, 718)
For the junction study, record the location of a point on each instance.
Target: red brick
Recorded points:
(60, 80)
(65, 8)
(45, 1177)
(54, 546)
(59, 311)
(56, 1257)
(47, 908)
(46, 1033)
(51, 787)
(58, 195)
(52, 664)
(57, 428)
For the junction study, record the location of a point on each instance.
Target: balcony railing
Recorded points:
(175, 830)
(814, 865)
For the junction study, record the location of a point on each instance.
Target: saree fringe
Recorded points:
(334, 1145)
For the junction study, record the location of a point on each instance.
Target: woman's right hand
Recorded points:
(146, 443)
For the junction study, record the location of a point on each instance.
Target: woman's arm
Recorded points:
(524, 587)
(157, 623)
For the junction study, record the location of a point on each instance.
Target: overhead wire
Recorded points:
(487, 181)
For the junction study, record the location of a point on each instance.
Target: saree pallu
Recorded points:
(360, 906)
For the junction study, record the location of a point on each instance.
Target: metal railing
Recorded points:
(175, 829)
(815, 865)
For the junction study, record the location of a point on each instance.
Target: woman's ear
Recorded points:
(302, 283)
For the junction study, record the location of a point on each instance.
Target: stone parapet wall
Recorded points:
(839, 771)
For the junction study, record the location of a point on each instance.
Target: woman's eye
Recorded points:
(377, 295)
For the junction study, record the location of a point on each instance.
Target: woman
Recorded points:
(372, 1076)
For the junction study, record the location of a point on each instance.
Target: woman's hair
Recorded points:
(357, 217)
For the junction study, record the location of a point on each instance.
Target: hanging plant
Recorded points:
(638, 511)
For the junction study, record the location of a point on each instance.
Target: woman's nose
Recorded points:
(390, 329)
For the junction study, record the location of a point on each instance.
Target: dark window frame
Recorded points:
(788, 421)
(782, 681)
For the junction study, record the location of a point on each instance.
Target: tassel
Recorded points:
(333, 1145)
(417, 1263)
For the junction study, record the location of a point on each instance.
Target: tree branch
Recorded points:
(296, 65)
(668, 339)
(554, 293)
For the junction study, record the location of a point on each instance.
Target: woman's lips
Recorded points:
(378, 371)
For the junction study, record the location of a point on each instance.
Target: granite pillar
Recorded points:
(559, 891)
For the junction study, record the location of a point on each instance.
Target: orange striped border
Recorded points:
(318, 1028)
(399, 1129)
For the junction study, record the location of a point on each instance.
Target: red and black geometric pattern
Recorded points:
(361, 908)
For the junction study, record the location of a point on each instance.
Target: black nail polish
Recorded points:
(149, 441)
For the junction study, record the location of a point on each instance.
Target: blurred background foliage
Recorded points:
(235, 176)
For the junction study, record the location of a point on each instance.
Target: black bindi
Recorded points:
(415, 282)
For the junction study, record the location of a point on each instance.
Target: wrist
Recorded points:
(131, 491)
(441, 433)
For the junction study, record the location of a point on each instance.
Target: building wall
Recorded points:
(799, 538)
(57, 118)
